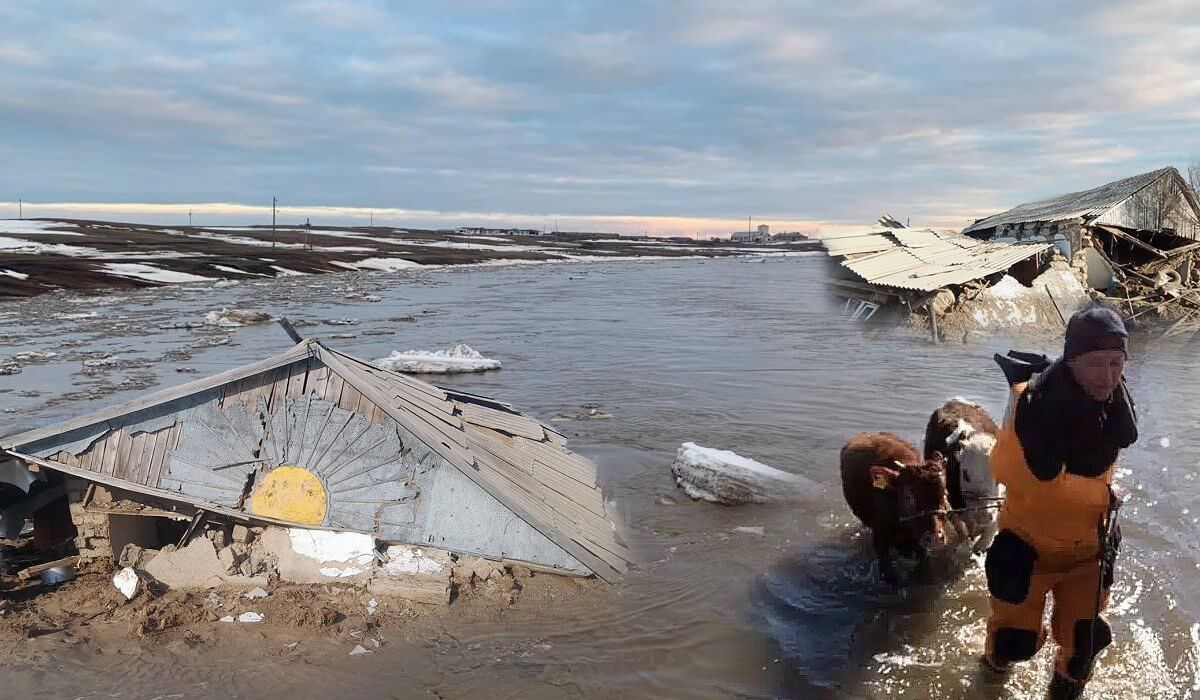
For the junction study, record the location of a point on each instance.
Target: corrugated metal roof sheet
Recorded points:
(857, 242)
(929, 268)
(923, 259)
(1086, 204)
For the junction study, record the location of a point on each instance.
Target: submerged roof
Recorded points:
(923, 259)
(1087, 204)
(396, 457)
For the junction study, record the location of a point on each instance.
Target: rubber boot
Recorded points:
(1063, 688)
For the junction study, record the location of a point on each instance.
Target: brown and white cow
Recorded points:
(965, 433)
(898, 495)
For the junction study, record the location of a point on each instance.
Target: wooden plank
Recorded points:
(145, 453)
(512, 423)
(237, 515)
(109, 460)
(162, 444)
(1133, 239)
(155, 399)
(28, 573)
(124, 448)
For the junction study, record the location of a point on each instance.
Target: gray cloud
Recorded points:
(826, 112)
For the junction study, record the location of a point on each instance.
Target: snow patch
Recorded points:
(460, 358)
(379, 264)
(150, 273)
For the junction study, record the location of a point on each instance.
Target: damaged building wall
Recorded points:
(377, 452)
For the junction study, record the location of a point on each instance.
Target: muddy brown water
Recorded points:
(747, 355)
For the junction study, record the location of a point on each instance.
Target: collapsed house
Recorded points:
(1135, 239)
(315, 446)
(932, 275)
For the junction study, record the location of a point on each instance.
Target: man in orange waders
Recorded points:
(1066, 423)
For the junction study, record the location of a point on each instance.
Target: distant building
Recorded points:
(761, 235)
(475, 231)
(1157, 208)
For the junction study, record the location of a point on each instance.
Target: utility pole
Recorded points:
(189, 218)
(372, 219)
(273, 203)
(20, 209)
(307, 227)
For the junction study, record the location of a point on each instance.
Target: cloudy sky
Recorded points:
(677, 116)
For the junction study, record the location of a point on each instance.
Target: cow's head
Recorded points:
(974, 454)
(921, 502)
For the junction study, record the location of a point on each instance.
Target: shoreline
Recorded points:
(44, 256)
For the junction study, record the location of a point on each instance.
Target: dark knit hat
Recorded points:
(1095, 328)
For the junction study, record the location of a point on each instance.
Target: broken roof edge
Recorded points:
(158, 398)
(579, 550)
(333, 359)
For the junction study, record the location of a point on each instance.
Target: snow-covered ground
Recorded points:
(461, 358)
(378, 264)
(150, 273)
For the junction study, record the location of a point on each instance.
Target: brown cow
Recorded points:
(896, 494)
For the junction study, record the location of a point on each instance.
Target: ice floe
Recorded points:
(725, 477)
(235, 318)
(460, 358)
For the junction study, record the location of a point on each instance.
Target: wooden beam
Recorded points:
(1134, 240)
(26, 574)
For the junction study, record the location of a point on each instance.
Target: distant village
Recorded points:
(760, 234)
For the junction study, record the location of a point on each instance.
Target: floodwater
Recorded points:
(748, 355)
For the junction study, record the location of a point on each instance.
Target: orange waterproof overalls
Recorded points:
(1049, 542)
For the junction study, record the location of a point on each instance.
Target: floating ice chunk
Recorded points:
(1164, 442)
(755, 530)
(12, 273)
(460, 358)
(725, 477)
(235, 318)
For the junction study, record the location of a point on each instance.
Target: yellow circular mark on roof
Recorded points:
(291, 493)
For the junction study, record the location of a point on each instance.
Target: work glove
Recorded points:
(1020, 366)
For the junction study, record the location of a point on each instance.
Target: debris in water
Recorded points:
(755, 530)
(235, 318)
(591, 411)
(127, 582)
(102, 362)
(460, 358)
(343, 321)
(725, 477)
